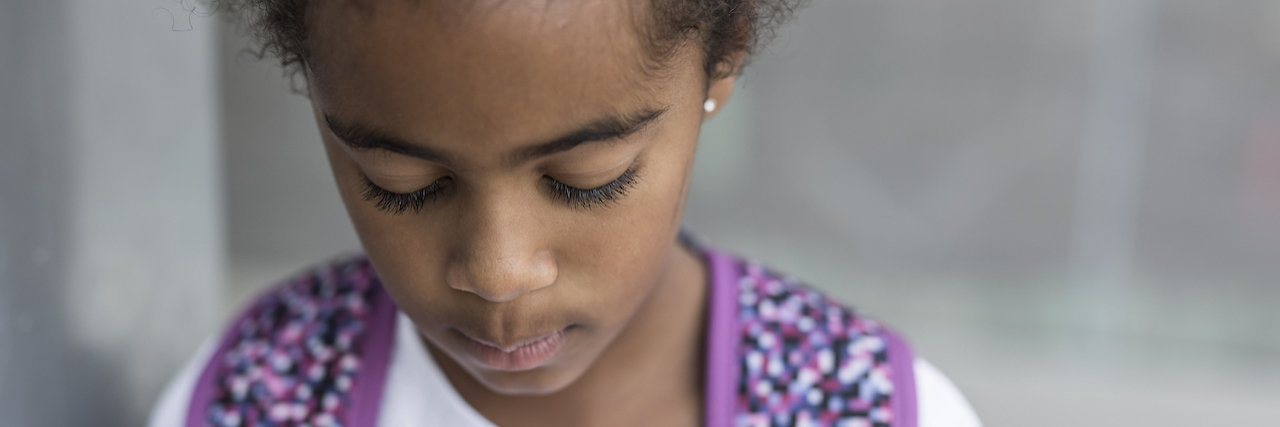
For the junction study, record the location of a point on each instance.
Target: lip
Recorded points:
(522, 356)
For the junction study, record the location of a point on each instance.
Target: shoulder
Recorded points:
(773, 302)
(778, 312)
(299, 352)
(807, 356)
(940, 403)
(171, 409)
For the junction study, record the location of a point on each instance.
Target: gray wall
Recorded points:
(1067, 204)
(283, 211)
(110, 206)
(33, 337)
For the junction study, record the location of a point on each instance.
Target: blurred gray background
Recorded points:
(1071, 207)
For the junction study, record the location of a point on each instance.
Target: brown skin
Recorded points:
(496, 256)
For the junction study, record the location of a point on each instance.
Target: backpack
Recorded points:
(315, 351)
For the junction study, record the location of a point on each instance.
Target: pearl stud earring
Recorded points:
(709, 106)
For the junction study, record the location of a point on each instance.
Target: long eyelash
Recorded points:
(603, 195)
(398, 203)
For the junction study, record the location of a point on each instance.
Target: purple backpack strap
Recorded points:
(313, 351)
(780, 353)
(366, 400)
(722, 341)
(903, 362)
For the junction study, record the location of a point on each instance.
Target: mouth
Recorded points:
(521, 356)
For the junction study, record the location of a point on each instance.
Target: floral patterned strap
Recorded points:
(311, 352)
(802, 359)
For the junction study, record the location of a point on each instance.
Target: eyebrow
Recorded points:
(609, 128)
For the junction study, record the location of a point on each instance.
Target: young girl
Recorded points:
(516, 172)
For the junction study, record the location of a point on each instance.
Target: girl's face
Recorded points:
(515, 173)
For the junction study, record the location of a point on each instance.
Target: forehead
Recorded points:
(475, 72)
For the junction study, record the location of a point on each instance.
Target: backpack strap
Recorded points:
(780, 353)
(722, 341)
(903, 362)
(366, 400)
(312, 351)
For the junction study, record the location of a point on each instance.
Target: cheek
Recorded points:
(372, 226)
(622, 254)
(346, 177)
(398, 250)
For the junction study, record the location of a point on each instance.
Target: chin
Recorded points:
(536, 382)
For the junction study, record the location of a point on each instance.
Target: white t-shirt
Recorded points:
(419, 395)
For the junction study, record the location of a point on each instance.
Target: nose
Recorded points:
(500, 257)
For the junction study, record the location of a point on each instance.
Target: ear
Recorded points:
(718, 90)
(718, 95)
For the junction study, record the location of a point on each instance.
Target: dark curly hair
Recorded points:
(725, 28)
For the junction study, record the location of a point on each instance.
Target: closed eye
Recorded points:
(398, 203)
(601, 196)
(574, 197)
